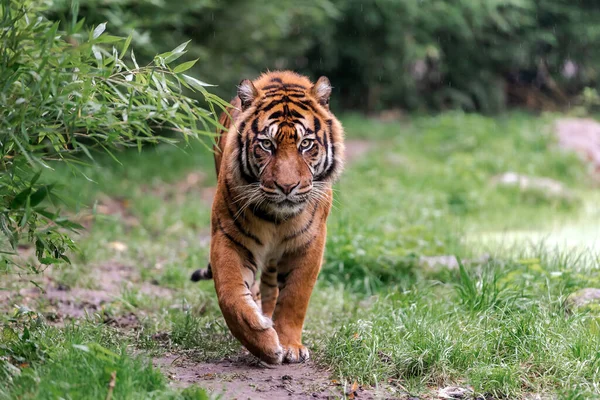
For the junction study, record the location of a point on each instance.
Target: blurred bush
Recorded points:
(425, 54)
(66, 95)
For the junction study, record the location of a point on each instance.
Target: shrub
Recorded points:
(70, 94)
(427, 54)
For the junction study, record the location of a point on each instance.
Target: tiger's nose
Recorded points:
(286, 188)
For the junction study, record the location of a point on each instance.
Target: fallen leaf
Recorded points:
(352, 392)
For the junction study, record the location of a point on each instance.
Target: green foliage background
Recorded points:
(415, 54)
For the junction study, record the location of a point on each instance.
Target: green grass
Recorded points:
(377, 315)
(76, 362)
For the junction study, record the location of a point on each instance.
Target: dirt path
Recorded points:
(244, 377)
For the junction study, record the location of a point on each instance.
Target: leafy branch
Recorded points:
(67, 95)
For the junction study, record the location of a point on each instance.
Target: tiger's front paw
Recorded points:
(266, 346)
(294, 353)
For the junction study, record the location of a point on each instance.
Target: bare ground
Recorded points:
(62, 303)
(244, 377)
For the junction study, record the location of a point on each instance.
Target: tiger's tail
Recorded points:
(202, 274)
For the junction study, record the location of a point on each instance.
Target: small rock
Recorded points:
(118, 246)
(454, 392)
(286, 378)
(583, 297)
(526, 182)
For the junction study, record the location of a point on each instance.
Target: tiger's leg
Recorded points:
(256, 296)
(233, 281)
(297, 278)
(269, 290)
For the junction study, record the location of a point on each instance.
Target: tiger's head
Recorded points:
(289, 145)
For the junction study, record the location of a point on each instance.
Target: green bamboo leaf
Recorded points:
(39, 195)
(184, 66)
(126, 45)
(195, 83)
(20, 199)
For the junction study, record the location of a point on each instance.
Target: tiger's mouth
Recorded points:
(285, 205)
(285, 201)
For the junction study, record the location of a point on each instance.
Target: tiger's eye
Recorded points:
(306, 143)
(266, 144)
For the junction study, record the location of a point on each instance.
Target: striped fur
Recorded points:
(281, 151)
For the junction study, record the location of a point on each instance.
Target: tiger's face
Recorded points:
(289, 147)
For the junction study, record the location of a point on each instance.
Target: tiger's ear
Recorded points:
(247, 93)
(322, 90)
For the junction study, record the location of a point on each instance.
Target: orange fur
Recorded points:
(281, 151)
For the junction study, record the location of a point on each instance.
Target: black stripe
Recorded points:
(296, 114)
(330, 133)
(245, 176)
(276, 114)
(317, 124)
(282, 277)
(276, 80)
(254, 129)
(328, 171)
(271, 270)
(242, 229)
(265, 216)
(317, 129)
(271, 87)
(292, 93)
(305, 228)
(268, 284)
(325, 144)
(285, 86)
(254, 126)
(296, 95)
(270, 106)
(248, 254)
(305, 105)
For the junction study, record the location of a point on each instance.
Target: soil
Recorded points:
(65, 303)
(581, 135)
(244, 377)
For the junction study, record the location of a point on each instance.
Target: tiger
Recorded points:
(277, 155)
